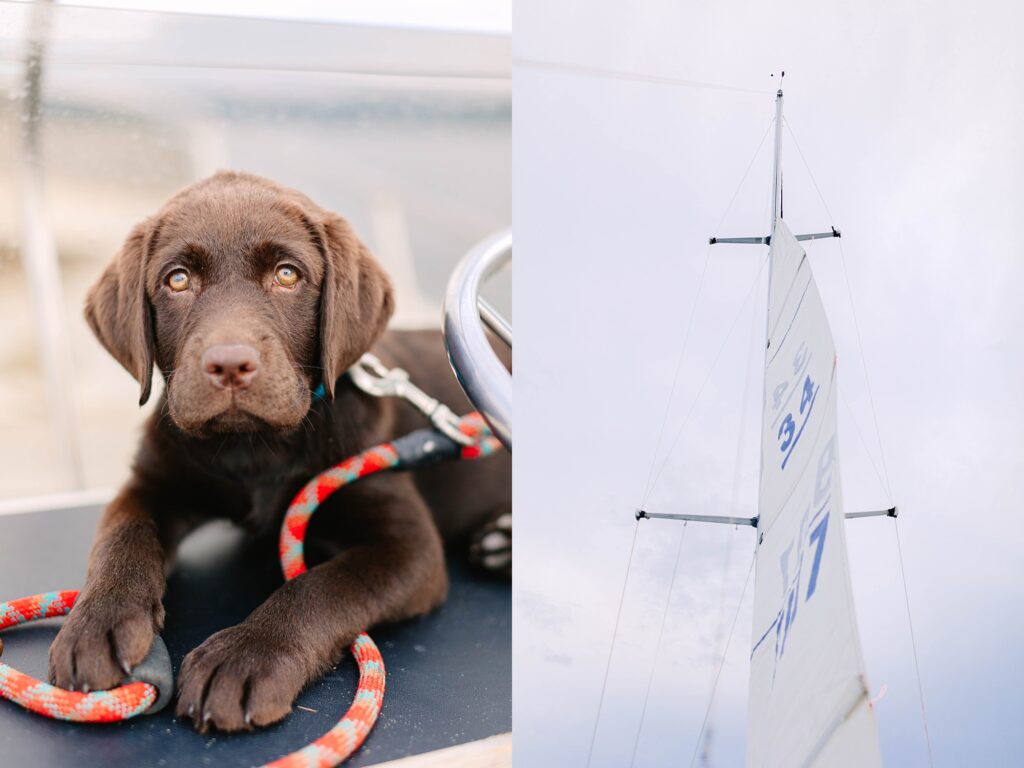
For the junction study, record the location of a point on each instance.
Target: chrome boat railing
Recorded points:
(487, 382)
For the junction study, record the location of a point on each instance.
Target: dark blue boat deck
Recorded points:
(448, 682)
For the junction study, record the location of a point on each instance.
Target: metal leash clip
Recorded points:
(374, 378)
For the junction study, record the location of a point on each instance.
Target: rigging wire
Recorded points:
(721, 663)
(611, 650)
(657, 646)
(675, 377)
(714, 365)
(733, 510)
(864, 443)
(693, 309)
(867, 378)
(853, 311)
(842, 400)
(615, 74)
(686, 338)
(913, 644)
(881, 451)
(754, 285)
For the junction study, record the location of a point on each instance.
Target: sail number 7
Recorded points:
(807, 545)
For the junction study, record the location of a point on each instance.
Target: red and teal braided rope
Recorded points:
(133, 699)
(48, 700)
(346, 737)
(370, 461)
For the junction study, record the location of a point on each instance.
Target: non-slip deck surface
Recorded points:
(449, 674)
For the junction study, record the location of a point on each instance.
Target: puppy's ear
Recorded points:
(356, 300)
(118, 310)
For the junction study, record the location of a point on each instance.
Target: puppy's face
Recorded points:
(247, 296)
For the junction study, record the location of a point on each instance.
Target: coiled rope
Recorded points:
(133, 699)
(47, 700)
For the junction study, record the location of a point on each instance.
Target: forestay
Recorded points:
(809, 703)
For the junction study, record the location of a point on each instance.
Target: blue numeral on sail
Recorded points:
(788, 433)
(787, 428)
(818, 534)
(808, 396)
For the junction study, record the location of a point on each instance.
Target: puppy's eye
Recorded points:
(178, 280)
(286, 276)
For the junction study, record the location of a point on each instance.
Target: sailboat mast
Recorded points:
(776, 214)
(809, 703)
(777, 166)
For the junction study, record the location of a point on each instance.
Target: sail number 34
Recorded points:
(789, 431)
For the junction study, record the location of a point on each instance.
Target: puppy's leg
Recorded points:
(118, 611)
(392, 568)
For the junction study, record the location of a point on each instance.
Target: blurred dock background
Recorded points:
(406, 132)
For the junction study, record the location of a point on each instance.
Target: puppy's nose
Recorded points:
(231, 366)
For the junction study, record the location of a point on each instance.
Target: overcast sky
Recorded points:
(910, 117)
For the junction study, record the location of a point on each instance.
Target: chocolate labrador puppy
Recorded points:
(247, 296)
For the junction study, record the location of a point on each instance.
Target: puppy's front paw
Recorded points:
(237, 679)
(101, 640)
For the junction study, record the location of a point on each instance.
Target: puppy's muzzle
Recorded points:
(231, 366)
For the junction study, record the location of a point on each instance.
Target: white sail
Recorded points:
(809, 701)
